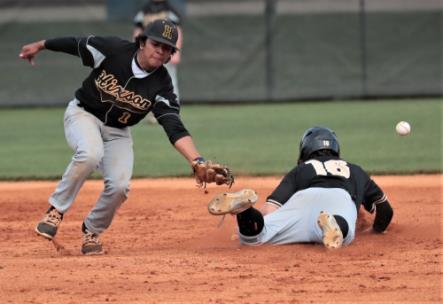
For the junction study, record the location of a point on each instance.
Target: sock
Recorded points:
(344, 227)
(84, 227)
(250, 222)
(50, 209)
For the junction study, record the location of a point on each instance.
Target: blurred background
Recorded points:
(253, 75)
(243, 50)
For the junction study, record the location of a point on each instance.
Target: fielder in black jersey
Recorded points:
(317, 201)
(127, 81)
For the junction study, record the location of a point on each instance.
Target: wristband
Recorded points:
(199, 159)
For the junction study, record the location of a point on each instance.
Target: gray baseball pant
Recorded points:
(96, 146)
(296, 220)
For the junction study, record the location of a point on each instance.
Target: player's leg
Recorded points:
(283, 226)
(296, 220)
(82, 131)
(116, 165)
(250, 225)
(334, 216)
(250, 220)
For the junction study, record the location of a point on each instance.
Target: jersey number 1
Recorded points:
(124, 117)
(333, 166)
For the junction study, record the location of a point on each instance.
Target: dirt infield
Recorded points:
(164, 247)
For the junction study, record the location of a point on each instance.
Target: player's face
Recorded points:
(153, 54)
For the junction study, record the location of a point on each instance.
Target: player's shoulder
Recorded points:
(302, 169)
(112, 46)
(354, 166)
(110, 42)
(357, 172)
(163, 77)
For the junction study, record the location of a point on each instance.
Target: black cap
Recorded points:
(163, 31)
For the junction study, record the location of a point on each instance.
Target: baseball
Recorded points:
(403, 128)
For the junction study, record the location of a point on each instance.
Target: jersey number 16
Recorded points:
(333, 167)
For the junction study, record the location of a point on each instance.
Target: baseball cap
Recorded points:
(163, 31)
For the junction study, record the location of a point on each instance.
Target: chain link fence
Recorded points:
(243, 50)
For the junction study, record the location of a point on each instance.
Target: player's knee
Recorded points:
(91, 157)
(117, 188)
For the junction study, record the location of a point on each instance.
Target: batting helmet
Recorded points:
(163, 31)
(318, 138)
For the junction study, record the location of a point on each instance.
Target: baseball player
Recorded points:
(317, 201)
(127, 81)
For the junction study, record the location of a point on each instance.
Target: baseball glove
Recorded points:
(207, 172)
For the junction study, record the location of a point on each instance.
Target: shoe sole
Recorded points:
(45, 235)
(332, 235)
(94, 253)
(233, 203)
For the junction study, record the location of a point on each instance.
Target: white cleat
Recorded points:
(332, 235)
(232, 202)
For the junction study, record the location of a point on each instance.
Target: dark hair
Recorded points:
(323, 152)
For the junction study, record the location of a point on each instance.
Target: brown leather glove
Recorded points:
(207, 172)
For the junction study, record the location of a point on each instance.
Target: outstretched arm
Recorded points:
(92, 50)
(205, 171)
(29, 51)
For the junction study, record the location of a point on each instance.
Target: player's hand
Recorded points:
(29, 51)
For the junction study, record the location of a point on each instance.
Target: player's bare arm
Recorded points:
(204, 171)
(186, 147)
(176, 57)
(137, 31)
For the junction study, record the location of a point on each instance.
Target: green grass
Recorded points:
(252, 139)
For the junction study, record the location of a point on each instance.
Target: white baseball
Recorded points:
(403, 128)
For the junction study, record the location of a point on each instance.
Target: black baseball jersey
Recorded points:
(118, 91)
(330, 172)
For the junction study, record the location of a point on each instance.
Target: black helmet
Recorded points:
(163, 31)
(315, 139)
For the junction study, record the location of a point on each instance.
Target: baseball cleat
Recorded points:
(48, 226)
(91, 244)
(332, 235)
(232, 202)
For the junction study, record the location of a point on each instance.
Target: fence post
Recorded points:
(269, 72)
(363, 50)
